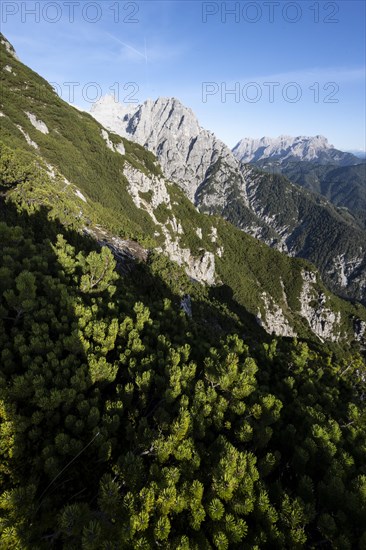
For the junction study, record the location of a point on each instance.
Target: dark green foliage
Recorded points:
(122, 424)
(141, 158)
(17, 168)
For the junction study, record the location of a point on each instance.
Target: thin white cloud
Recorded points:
(130, 49)
(152, 50)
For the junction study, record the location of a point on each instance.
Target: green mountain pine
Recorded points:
(127, 423)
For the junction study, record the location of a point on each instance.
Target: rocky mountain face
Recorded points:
(283, 149)
(310, 227)
(91, 179)
(171, 131)
(266, 206)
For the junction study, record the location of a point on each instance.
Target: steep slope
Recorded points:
(314, 149)
(312, 228)
(138, 408)
(112, 189)
(342, 186)
(126, 424)
(267, 207)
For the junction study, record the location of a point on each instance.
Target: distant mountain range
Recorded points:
(266, 206)
(285, 149)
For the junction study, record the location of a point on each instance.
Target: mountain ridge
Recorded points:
(139, 124)
(139, 408)
(94, 179)
(315, 149)
(218, 183)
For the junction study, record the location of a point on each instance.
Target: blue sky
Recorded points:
(295, 68)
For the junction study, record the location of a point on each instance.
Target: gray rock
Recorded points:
(274, 321)
(186, 305)
(171, 131)
(323, 321)
(315, 149)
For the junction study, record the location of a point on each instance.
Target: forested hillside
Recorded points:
(343, 186)
(127, 424)
(140, 409)
(97, 182)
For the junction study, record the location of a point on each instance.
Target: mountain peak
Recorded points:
(110, 99)
(116, 116)
(171, 131)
